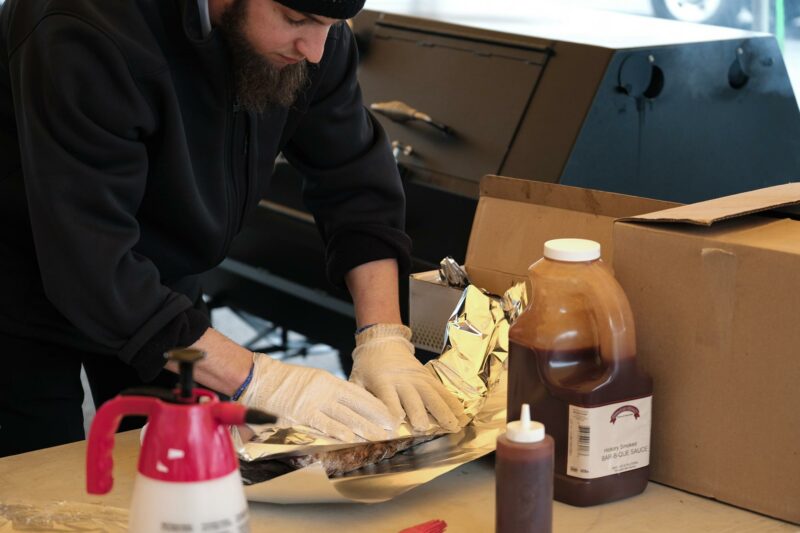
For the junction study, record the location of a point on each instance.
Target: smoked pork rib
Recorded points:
(335, 462)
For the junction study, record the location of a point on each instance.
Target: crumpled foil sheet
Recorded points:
(472, 366)
(452, 274)
(61, 516)
(476, 345)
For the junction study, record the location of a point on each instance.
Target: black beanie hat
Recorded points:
(335, 9)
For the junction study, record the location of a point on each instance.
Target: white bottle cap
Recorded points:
(524, 430)
(574, 250)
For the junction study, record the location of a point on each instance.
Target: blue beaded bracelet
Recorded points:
(362, 329)
(243, 386)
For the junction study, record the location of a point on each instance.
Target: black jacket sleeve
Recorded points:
(352, 185)
(81, 119)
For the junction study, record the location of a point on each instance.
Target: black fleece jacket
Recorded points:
(126, 170)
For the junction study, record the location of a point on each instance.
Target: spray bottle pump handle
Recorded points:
(99, 461)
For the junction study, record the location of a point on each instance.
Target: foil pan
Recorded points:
(473, 366)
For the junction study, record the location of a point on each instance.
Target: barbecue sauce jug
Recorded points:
(572, 357)
(188, 474)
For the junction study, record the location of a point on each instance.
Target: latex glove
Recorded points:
(384, 364)
(311, 397)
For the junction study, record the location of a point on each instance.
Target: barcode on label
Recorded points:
(583, 440)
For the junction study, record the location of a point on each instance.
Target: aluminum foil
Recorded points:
(472, 367)
(453, 274)
(476, 349)
(388, 479)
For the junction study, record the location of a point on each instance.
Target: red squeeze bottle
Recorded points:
(524, 477)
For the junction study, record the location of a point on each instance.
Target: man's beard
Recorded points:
(259, 84)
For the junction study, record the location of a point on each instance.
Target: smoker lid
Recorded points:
(550, 21)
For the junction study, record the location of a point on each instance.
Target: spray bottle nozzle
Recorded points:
(258, 417)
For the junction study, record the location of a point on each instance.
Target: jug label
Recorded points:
(610, 439)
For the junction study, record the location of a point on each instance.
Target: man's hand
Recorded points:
(384, 364)
(315, 398)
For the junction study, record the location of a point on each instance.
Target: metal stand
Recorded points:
(261, 341)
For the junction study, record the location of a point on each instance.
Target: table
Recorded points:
(463, 497)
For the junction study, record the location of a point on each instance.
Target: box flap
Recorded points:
(515, 217)
(590, 201)
(737, 205)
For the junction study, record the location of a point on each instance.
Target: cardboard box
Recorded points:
(513, 220)
(715, 293)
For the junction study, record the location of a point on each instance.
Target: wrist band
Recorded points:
(243, 386)
(362, 329)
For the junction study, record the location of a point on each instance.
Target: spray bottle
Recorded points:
(188, 474)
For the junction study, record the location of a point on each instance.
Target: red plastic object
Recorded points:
(432, 526)
(184, 442)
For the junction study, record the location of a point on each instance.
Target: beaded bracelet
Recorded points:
(243, 386)
(362, 329)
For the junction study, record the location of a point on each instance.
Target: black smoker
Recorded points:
(643, 110)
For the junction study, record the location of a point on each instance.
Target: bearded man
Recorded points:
(135, 135)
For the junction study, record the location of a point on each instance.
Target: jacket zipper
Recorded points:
(241, 181)
(230, 176)
(247, 171)
(246, 143)
(243, 197)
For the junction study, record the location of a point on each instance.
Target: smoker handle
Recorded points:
(402, 112)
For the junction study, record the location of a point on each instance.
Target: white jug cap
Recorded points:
(573, 250)
(525, 430)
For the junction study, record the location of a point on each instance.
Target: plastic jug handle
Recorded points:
(614, 321)
(99, 461)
